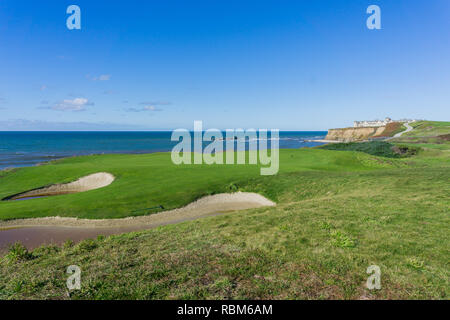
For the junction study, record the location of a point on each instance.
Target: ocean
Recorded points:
(20, 149)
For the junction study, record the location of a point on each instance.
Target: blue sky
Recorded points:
(291, 65)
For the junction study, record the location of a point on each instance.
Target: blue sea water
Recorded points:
(19, 149)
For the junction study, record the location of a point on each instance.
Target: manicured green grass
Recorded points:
(145, 181)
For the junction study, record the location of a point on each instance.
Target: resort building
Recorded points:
(377, 123)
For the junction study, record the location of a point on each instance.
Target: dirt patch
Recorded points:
(445, 137)
(405, 151)
(390, 130)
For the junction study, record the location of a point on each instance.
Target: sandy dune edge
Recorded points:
(202, 207)
(90, 182)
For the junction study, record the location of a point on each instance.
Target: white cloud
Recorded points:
(156, 103)
(151, 108)
(103, 77)
(144, 109)
(39, 125)
(77, 104)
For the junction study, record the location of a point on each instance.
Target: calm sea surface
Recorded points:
(19, 149)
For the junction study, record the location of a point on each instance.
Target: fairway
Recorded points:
(152, 180)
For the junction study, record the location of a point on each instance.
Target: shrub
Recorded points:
(68, 244)
(415, 263)
(17, 252)
(86, 245)
(375, 148)
(341, 240)
(46, 250)
(405, 151)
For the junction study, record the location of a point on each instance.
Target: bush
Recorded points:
(17, 252)
(86, 245)
(341, 240)
(68, 244)
(46, 250)
(375, 148)
(405, 151)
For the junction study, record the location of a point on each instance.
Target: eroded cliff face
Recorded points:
(353, 134)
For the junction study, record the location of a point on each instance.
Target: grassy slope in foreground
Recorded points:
(328, 227)
(145, 181)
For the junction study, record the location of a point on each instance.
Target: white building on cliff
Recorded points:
(378, 123)
(374, 123)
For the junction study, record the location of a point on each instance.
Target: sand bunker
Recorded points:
(206, 206)
(90, 182)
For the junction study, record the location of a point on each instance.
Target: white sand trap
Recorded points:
(90, 182)
(206, 206)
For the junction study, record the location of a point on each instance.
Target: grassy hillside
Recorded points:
(391, 129)
(338, 212)
(431, 134)
(429, 129)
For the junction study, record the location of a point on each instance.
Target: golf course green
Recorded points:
(338, 212)
(152, 180)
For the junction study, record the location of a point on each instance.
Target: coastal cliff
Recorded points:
(354, 134)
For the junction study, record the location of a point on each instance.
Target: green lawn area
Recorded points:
(338, 213)
(145, 181)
